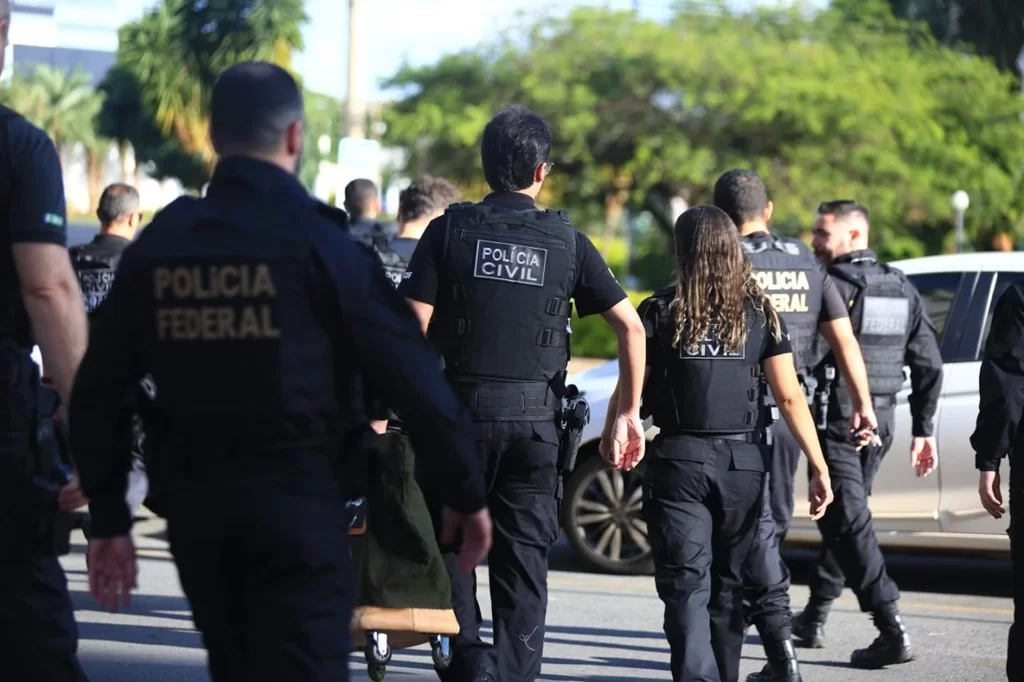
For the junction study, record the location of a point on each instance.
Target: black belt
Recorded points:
(508, 401)
(746, 437)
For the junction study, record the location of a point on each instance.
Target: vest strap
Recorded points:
(558, 307)
(552, 338)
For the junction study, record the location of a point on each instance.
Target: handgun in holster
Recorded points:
(822, 396)
(771, 413)
(51, 471)
(575, 417)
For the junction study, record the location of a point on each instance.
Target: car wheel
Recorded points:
(602, 516)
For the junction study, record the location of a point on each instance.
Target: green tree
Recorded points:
(820, 106)
(177, 50)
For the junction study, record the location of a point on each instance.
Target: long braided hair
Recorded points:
(714, 279)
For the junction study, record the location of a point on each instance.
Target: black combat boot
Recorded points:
(782, 665)
(891, 647)
(809, 624)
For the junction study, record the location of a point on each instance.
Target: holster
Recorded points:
(822, 397)
(45, 467)
(575, 417)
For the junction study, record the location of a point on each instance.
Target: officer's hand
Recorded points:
(924, 455)
(865, 422)
(112, 570)
(819, 494)
(990, 494)
(71, 496)
(626, 443)
(476, 536)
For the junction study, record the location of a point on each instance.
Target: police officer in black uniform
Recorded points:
(894, 330)
(806, 298)
(362, 201)
(998, 434)
(41, 304)
(253, 311)
(421, 202)
(95, 264)
(714, 341)
(496, 278)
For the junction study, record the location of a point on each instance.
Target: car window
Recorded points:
(1003, 280)
(938, 290)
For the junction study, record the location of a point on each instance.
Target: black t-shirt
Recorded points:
(652, 317)
(596, 289)
(833, 307)
(37, 212)
(33, 194)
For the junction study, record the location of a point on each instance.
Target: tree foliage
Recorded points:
(176, 51)
(821, 106)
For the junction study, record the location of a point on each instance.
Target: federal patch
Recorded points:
(512, 263)
(885, 316)
(711, 349)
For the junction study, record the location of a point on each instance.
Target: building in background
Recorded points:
(66, 34)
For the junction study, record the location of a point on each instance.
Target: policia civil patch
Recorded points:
(513, 263)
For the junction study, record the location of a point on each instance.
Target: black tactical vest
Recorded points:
(395, 254)
(710, 390)
(502, 309)
(95, 276)
(14, 323)
(880, 314)
(789, 274)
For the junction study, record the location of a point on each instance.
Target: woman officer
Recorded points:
(712, 340)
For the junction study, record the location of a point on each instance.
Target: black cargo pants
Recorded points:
(261, 550)
(786, 454)
(39, 639)
(849, 549)
(520, 459)
(702, 501)
(766, 578)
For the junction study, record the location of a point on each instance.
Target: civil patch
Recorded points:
(95, 285)
(512, 263)
(885, 316)
(711, 348)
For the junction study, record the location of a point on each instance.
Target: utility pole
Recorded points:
(355, 97)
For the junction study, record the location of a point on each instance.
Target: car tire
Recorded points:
(594, 533)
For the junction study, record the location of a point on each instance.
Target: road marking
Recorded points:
(154, 553)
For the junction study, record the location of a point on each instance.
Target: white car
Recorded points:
(602, 509)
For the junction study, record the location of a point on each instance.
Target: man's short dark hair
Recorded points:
(741, 194)
(359, 194)
(118, 202)
(515, 142)
(253, 105)
(843, 208)
(426, 195)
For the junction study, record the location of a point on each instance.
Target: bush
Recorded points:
(593, 338)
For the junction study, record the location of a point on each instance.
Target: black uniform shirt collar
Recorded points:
(258, 176)
(858, 256)
(515, 201)
(760, 235)
(113, 240)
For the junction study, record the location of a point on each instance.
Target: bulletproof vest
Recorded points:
(14, 322)
(502, 308)
(95, 275)
(708, 389)
(395, 255)
(880, 314)
(790, 276)
(366, 231)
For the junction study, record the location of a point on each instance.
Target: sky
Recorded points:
(418, 32)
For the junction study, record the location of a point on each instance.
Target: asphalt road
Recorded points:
(601, 628)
